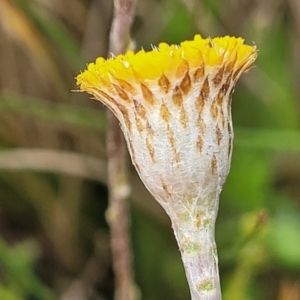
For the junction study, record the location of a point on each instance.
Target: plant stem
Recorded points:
(196, 239)
(118, 215)
(119, 186)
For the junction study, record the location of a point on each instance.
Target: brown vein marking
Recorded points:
(213, 165)
(140, 109)
(203, 95)
(165, 188)
(199, 143)
(220, 97)
(164, 113)
(214, 110)
(173, 145)
(199, 73)
(229, 102)
(183, 117)
(199, 104)
(124, 112)
(237, 73)
(123, 95)
(104, 99)
(222, 118)
(229, 128)
(201, 124)
(164, 84)
(150, 150)
(229, 146)
(149, 130)
(182, 69)
(139, 123)
(185, 84)
(177, 96)
(219, 135)
(147, 94)
(105, 96)
(226, 85)
(176, 157)
(219, 76)
(126, 86)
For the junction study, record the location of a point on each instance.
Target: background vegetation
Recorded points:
(54, 239)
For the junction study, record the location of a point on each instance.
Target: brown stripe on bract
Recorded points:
(226, 86)
(199, 143)
(164, 113)
(201, 124)
(238, 73)
(139, 108)
(165, 188)
(149, 130)
(229, 146)
(222, 118)
(150, 150)
(214, 109)
(205, 90)
(164, 84)
(219, 135)
(199, 104)
(183, 117)
(213, 165)
(147, 94)
(97, 92)
(182, 69)
(139, 123)
(203, 95)
(126, 86)
(124, 112)
(199, 73)
(185, 84)
(219, 76)
(177, 96)
(229, 128)
(171, 137)
(173, 145)
(114, 106)
(220, 97)
(229, 102)
(121, 93)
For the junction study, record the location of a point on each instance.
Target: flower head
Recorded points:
(174, 106)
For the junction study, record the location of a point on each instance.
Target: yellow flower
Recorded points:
(168, 60)
(174, 106)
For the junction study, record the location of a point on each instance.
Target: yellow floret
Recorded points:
(165, 59)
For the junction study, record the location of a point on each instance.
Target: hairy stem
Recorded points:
(196, 240)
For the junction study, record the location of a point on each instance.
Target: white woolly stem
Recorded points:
(196, 240)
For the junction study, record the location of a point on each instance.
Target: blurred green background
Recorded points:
(54, 238)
